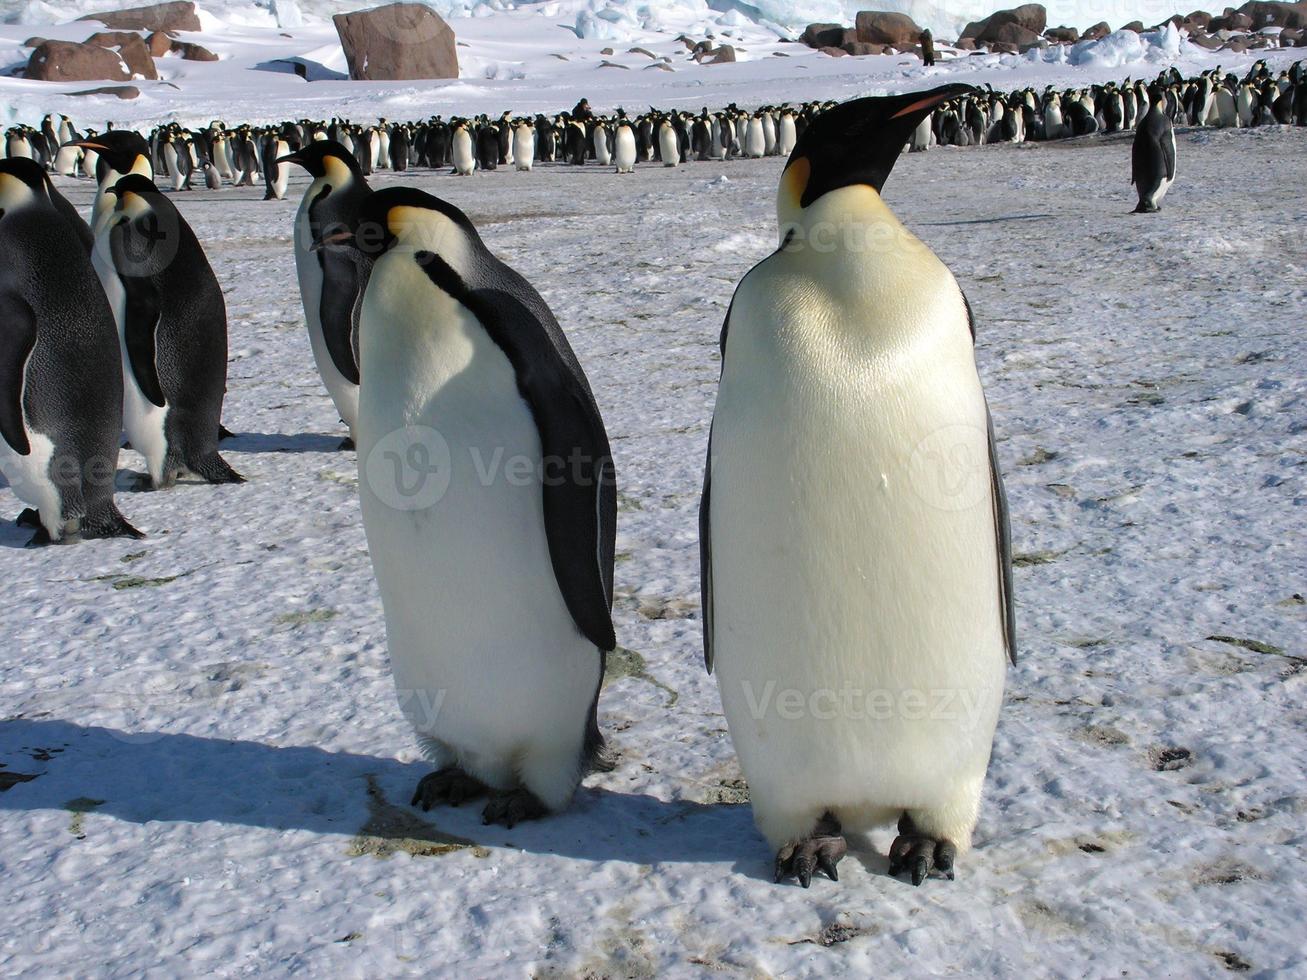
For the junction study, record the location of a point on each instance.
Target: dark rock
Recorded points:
(194, 52)
(823, 35)
(121, 91)
(67, 61)
(1263, 14)
(1011, 34)
(159, 44)
(724, 55)
(131, 48)
(1233, 21)
(397, 41)
(1029, 16)
(966, 44)
(176, 16)
(1004, 47)
(861, 48)
(1101, 30)
(1207, 41)
(834, 52)
(34, 42)
(1062, 35)
(880, 27)
(1196, 21)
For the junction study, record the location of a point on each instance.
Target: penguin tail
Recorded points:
(214, 469)
(108, 522)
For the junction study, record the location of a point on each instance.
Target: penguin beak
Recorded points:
(291, 158)
(858, 142)
(87, 145)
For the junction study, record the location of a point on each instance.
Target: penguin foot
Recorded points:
(920, 854)
(513, 807)
(821, 851)
(28, 518)
(346, 445)
(449, 785)
(40, 539)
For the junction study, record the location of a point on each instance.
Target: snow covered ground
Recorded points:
(222, 772)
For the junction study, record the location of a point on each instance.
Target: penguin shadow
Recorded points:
(282, 442)
(147, 776)
(987, 221)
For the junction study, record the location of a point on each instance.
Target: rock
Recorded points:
(131, 48)
(1029, 16)
(660, 65)
(861, 48)
(612, 64)
(194, 52)
(823, 35)
(880, 27)
(724, 55)
(177, 16)
(644, 51)
(1062, 35)
(1262, 14)
(159, 44)
(1196, 21)
(34, 42)
(121, 91)
(966, 44)
(398, 41)
(1289, 37)
(605, 50)
(1209, 42)
(834, 52)
(1004, 47)
(1101, 29)
(1011, 33)
(67, 61)
(1238, 46)
(1232, 21)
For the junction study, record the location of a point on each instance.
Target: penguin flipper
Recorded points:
(16, 343)
(340, 295)
(142, 319)
(705, 558)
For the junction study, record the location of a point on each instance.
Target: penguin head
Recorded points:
(855, 143)
(121, 150)
(403, 218)
(325, 158)
(22, 182)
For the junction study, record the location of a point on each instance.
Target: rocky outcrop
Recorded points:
(131, 48)
(120, 91)
(823, 35)
(1101, 30)
(1031, 17)
(880, 27)
(1263, 14)
(1062, 35)
(398, 41)
(179, 15)
(67, 61)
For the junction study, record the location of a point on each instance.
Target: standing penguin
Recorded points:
(60, 383)
(172, 328)
(331, 283)
(497, 589)
(1152, 158)
(624, 148)
(853, 528)
(118, 153)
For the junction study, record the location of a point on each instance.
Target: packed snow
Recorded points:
(205, 770)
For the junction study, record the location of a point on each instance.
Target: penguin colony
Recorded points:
(419, 330)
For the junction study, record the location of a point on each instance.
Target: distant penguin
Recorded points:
(668, 147)
(275, 176)
(1152, 159)
(60, 382)
(855, 547)
(599, 141)
(172, 329)
(524, 139)
(461, 151)
(330, 281)
(624, 148)
(496, 591)
(119, 152)
(786, 135)
(755, 140)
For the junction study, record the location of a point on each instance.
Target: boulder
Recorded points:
(1011, 34)
(131, 48)
(1196, 21)
(1029, 16)
(966, 44)
(34, 42)
(194, 52)
(67, 61)
(159, 44)
(1004, 47)
(724, 55)
(1101, 30)
(1233, 21)
(1062, 35)
(880, 27)
(833, 52)
(1209, 42)
(1264, 14)
(176, 16)
(121, 91)
(1289, 37)
(398, 41)
(861, 48)
(823, 35)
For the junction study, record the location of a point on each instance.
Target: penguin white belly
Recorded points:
(1164, 182)
(490, 668)
(523, 147)
(600, 144)
(461, 154)
(279, 183)
(143, 421)
(344, 393)
(174, 171)
(668, 147)
(787, 136)
(624, 157)
(755, 143)
(29, 479)
(65, 161)
(857, 631)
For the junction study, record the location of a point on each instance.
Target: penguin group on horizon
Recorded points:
(416, 327)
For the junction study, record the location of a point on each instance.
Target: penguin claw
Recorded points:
(920, 855)
(448, 785)
(820, 852)
(346, 445)
(513, 807)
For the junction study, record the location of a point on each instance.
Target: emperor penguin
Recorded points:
(331, 282)
(624, 148)
(524, 145)
(61, 386)
(461, 150)
(1152, 157)
(118, 152)
(172, 331)
(853, 528)
(489, 502)
(668, 147)
(599, 143)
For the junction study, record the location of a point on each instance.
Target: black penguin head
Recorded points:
(118, 148)
(21, 181)
(318, 157)
(857, 142)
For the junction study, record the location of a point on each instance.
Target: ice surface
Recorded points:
(221, 769)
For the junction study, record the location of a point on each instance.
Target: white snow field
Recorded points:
(221, 770)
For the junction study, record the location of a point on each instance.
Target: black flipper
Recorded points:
(705, 511)
(142, 315)
(17, 338)
(340, 289)
(579, 485)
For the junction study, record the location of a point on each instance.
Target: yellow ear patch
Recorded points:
(795, 180)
